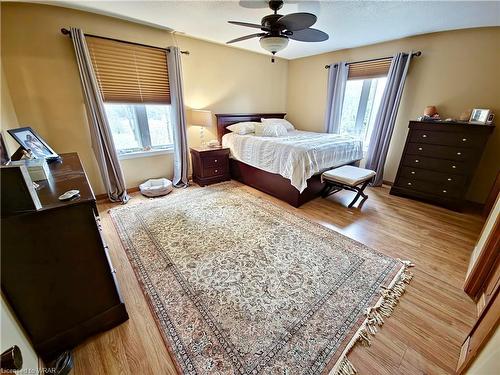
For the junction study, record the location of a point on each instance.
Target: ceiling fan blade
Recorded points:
(297, 21)
(245, 38)
(246, 24)
(309, 35)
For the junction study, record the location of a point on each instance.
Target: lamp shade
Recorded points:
(273, 44)
(200, 117)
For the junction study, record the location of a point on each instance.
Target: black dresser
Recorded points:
(439, 161)
(56, 272)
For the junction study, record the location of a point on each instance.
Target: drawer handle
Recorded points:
(216, 171)
(444, 191)
(416, 160)
(420, 149)
(464, 139)
(454, 166)
(424, 135)
(412, 172)
(449, 179)
(215, 161)
(459, 153)
(409, 183)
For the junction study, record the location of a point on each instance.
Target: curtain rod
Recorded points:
(414, 54)
(67, 32)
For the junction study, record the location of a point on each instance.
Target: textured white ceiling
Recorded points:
(349, 23)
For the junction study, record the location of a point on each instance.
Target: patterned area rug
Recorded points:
(239, 285)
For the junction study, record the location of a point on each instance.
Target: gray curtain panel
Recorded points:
(337, 78)
(181, 153)
(102, 141)
(386, 116)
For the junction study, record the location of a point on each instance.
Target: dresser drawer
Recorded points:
(214, 161)
(214, 171)
(441, 152)
(439, 165)
(429, 187)
(446, 138)
(443, 179)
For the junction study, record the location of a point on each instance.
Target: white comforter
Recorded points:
(296, 156)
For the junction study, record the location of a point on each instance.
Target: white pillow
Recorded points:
(270, 130)
(243, 128)
(287, 124)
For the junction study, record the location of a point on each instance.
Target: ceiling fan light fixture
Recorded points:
(278, 29)
(273, 44)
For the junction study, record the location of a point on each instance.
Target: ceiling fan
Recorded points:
(278, 29)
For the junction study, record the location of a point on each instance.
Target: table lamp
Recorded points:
(202, 119)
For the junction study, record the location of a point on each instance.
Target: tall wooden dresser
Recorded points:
(439, 161)
(56, 273)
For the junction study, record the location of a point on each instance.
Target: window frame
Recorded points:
(143, 154)
(141, 119)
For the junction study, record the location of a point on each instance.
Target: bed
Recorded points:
(289, 167)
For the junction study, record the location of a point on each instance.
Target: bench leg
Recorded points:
(360, 193)
(329, 189)
(326, 190)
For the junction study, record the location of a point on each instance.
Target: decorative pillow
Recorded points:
(287, 124)
(243, 128)
(270, 130)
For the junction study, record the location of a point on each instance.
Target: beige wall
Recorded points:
(486, 232)
(12, 334)
(44, 84)
(8, 118)
(487, 361)
(457, 70)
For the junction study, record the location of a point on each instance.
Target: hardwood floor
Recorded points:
(424, 334)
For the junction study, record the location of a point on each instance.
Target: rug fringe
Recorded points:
(375, 315)
(346, 368)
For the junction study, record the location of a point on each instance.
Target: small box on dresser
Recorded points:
(210, 165)
(439, 161)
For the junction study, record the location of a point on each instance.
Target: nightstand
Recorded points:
(210, 165)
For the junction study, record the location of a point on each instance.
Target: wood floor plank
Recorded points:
(114, 353)
(414, 360)
(422, 336)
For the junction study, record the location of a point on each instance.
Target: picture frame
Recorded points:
(4, 155)
(479, 116)
(32, 142)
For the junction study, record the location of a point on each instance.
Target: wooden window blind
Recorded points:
(369, 69)
(129, 73)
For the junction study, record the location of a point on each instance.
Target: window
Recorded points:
(363, 93)
(139, 127)
(134, 85)
(359, 109)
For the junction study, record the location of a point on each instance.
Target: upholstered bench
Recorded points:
(347, 177)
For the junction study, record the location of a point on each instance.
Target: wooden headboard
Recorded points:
(224, 120)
